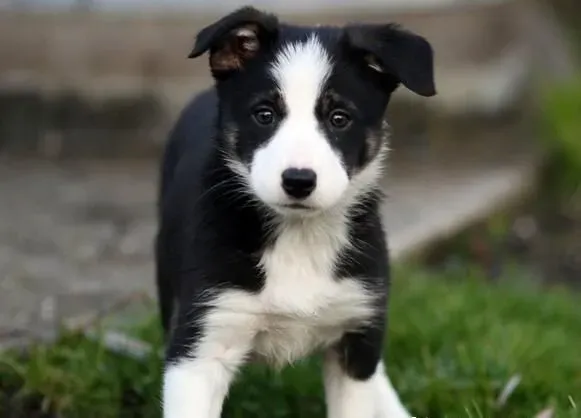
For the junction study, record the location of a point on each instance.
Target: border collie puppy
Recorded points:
(270, 245)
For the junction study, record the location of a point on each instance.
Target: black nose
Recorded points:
(299, 182)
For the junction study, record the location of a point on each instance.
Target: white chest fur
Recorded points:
(302, 306)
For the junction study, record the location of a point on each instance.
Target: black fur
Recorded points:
(212, 233)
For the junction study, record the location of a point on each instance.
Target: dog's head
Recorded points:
(302, 108)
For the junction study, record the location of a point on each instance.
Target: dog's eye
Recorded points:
(339, 119)
(264, 115)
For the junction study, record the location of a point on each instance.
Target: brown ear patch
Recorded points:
(240, 45)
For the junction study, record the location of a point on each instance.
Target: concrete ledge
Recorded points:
(297, 7)
(110, 85)
(487, 87)
(474, 200)
(79, 44)
(79, 51)
(133, 122)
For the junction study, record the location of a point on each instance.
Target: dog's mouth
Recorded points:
(299, 206)
(295, 208)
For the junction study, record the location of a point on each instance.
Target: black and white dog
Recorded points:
(270, 244)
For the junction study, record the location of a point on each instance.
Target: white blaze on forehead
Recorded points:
(300, 71)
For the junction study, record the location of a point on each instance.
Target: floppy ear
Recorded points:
(391, 50)
(235, 38)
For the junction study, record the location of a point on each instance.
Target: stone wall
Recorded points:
(103, 84)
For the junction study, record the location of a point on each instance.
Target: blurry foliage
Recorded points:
(455, 340)
(569, 13)
(561, 110)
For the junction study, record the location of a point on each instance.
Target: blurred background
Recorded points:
(483, 213)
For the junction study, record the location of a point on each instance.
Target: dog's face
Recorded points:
(302, 109)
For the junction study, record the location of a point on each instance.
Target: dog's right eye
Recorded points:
(264, 115)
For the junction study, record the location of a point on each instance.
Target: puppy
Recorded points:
(270, 245)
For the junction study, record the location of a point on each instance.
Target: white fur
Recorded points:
(363, 182)
(345, 397)
(349, 398)
(301, 308)
(388, 403)
(300, 71)
(307, 308)
(197, 388)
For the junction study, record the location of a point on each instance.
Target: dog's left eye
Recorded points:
(264, 115)
(339, 119)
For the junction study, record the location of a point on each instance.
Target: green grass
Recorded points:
(561, 107)
(454, 342)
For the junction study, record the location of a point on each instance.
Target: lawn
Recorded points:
(455, 341)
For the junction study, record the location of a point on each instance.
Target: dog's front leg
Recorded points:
(346, 396)
(195, 388)
(388, 403)
(356, 385)
(201, 364)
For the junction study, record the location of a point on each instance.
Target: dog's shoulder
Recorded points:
(190, 139)
(196, 123)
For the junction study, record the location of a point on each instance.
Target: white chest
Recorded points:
(302, 306)
(297, 318)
